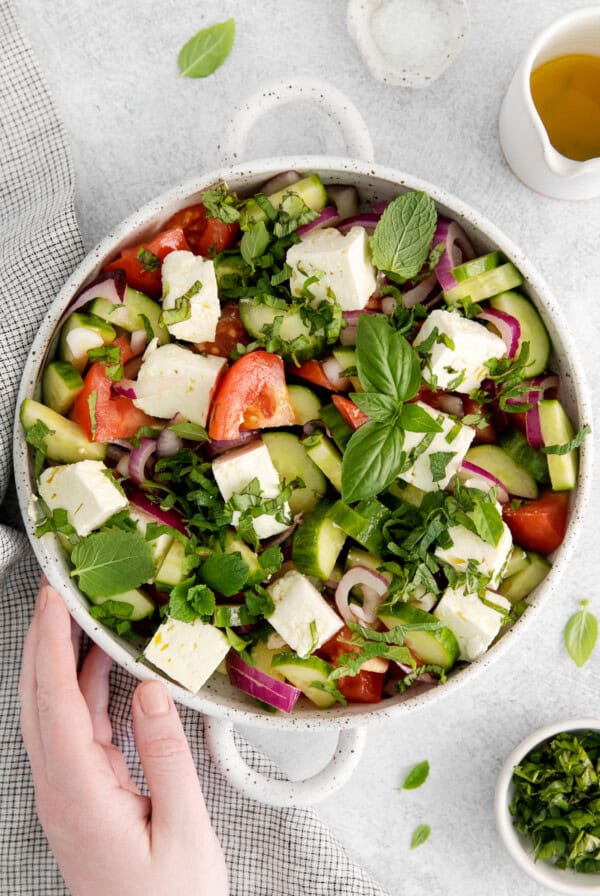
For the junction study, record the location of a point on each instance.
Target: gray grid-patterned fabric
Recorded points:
(269, 851)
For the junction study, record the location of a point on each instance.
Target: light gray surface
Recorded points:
(135, 128)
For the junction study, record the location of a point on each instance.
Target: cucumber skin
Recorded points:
(317, 543)
(290, 459)
(142, 606)
(532, 328)
(61, 384)
(305, 403)
(441, 640)
(522, 583)
(302, 672)
(486, 285)
(500, 464)
(310, 189)
(556, 429)
(68, 443)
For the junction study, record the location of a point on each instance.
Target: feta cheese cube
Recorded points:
(454, 439)
(172, 380)
(342, 264)
(236, 469)
(181, 272)
(467, 546)
(302, 616)
(188, 652)
(456, 360)
(474, 623)
(86, 490)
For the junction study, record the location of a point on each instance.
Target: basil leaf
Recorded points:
(581, 633)
(188, 430)
(416, 776)
(372, 459)
(420, 835)
(374, 405)
(225, 573)
(416, 419)
(254, 242)
(488, 523)
(112, 562)
(385, 361)
(207, 50)
(403, 234)
(438, 461)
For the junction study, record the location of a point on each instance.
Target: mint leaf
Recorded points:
(221, 204)
(189, 601)
(372, 460)
(416, 776)
(572, 444)
(488, 522)
(581, 634)
(420, 835)
(207, 50)
(403, 234)
(254, 242)
(385, 361)
(438, 461)
(109, 563)
(225, 573)
(416, 419)
(192, 431)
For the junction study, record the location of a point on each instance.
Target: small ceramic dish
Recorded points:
(520, 848)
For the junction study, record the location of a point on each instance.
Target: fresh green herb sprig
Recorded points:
(416, 776)
(581, 634)
(208, 49)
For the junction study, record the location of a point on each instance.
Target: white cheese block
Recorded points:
(302, 616)
(342, 264)
(181, 271)
(173, 379)
(454, 439)
(474, 623)
(456, 360)
(87, 492)
(188, 652)
(466, 546)
(236, 469)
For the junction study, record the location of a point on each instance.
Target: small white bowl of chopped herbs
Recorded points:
(548, 805)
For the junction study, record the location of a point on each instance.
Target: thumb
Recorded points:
(168, 765)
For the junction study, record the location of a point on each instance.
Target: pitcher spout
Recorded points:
(564, 167)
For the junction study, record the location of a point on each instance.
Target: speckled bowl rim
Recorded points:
(217, 697)
(561, 881)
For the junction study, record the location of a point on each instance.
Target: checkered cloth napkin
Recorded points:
(269, 851)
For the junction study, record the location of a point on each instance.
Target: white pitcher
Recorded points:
(523, 137)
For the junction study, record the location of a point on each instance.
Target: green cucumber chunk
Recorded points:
(484, 286)
(80, 333)
(406, 492)
(500, 464)
(61, 384)
(516, 445)
(172, 570)
(138, 312)
(136, 605)
(476, 266)
(363, 522)
(263, 656)
(230, 615)
(521, 583)
(310, 189)
(317, 543)
(230, 266)
(533, 330)
(339, 428)
(233, 544)
(438, 646)
(294, 335)
(346, 357)
(66, 442)
(304, 673)
(557, 429)
(516, 562)
(305, 403)
(325, 455)
(291, 460)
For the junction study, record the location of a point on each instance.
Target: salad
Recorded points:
(314, 448)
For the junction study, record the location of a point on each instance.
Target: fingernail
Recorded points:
(154, 699)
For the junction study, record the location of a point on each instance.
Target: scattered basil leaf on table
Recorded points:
(207, 50)
(403, 234)
(581, 634)
(112, 562)
(420, 835)
(416, 776)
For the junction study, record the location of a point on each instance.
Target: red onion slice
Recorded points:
(508, 327)
(468, 470)
(139, 340)
(219, 446)
(280, 182)
(421, 292)
(110, 286)
(332, 370)
(348, 335)
(126, 388)
(345, 199)
(168, 443)
(533, 428)
(165, 517)
(458, 249)
(138, 459)
(374, 587)
(258, 684)
(368, 220)
(328, 217)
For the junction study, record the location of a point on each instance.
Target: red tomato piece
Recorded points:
(349, 411)
(207, 236)
(230, 331)
(485, 435)
(365, 686)
(138, 277)
(312, 371)
(539, 525)
(251, 395)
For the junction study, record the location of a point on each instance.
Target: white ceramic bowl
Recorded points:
(519, 847)
(218, 699)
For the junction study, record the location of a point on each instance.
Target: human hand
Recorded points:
(108, 839)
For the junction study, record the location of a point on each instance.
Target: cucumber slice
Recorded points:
(485, 285)
(515, 444)
(171, 571)
(476, 266)
(339, 428)
(438, 647)
(533, 330)
(130, 315)
(501, 465)
(80, 333)
(67, 442)
(305, 403)
(406, 492)
(263, 656)
(359, 557)
(229, 615)
(557, 429)
(362, 523)
(230, 266)
(346, 357)
(294, 335)
(138, 600)
(317, 543)
(235, 545)
(516, 562)
(310, 189)
(521, 583)
(61, 384)
(325, 455)
(290, 459)
(303, 672)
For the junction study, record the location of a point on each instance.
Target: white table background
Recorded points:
(135, 129)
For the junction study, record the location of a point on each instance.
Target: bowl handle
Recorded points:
(302, 90)
(273, 792)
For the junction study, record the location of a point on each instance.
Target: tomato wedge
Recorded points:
(365, 686)
(230, 331)
(252, 395)
(141, 276)
(207, 236)
(312, 371)
(349, 411)
(539, 525)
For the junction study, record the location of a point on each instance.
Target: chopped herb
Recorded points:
(438, 461)
(189, 601)
(183, 307)
(416, 776)
(572, 444)
(420, 835)
(110, 357)
(36, 437)
(221, 204)
(91, 402)
(58, 522)
(225, 573)
(148, 260)
(193, 432)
